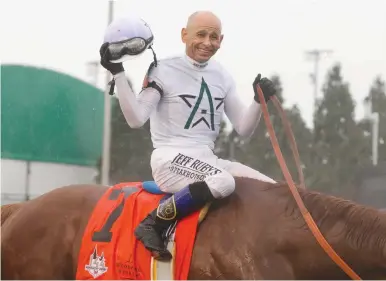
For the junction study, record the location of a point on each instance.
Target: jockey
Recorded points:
(185, 97)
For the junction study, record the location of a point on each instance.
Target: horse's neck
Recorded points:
(356, 233)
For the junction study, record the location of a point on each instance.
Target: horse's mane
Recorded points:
(361, 226)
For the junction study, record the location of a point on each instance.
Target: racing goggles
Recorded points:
(132, 47)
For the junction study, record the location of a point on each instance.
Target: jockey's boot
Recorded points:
(151, 231)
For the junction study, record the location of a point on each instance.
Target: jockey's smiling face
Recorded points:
(202, 36)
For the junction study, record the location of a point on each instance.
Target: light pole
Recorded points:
(107, 118)
(373, 117)
(315, 55)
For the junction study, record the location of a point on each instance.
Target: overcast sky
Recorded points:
(268, 37)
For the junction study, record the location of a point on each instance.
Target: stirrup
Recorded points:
(164, 255)
(166, 235)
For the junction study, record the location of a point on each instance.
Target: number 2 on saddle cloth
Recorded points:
(105, 234)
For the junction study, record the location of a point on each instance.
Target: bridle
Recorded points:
(305, 213)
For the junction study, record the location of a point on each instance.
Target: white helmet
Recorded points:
(128, 38)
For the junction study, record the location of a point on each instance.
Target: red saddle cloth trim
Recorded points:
(123, 257)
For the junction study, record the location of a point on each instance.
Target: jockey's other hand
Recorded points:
(266, 85)
(114, 68)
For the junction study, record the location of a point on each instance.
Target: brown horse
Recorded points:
(256, 233)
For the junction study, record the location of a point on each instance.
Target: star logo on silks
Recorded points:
(97, 265)
(187, 98)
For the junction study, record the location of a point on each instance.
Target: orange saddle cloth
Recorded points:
(109, 249)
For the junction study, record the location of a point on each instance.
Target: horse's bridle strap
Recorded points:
(305, 213)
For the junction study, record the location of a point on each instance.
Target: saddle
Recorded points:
(109, 249)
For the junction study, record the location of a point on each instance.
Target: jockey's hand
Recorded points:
(266, 85)
(114, 68)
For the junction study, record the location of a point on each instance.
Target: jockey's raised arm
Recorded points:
(243, 118)
(136, 110)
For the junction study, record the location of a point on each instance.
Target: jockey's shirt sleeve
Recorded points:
(136, 110)
(243, 118)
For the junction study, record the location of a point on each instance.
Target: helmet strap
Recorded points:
(154, 55)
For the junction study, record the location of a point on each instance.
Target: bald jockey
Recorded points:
(198, 25)
(185, 98)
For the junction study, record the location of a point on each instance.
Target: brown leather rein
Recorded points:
(305, 213)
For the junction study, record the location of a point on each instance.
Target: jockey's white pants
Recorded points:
(174, 168)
